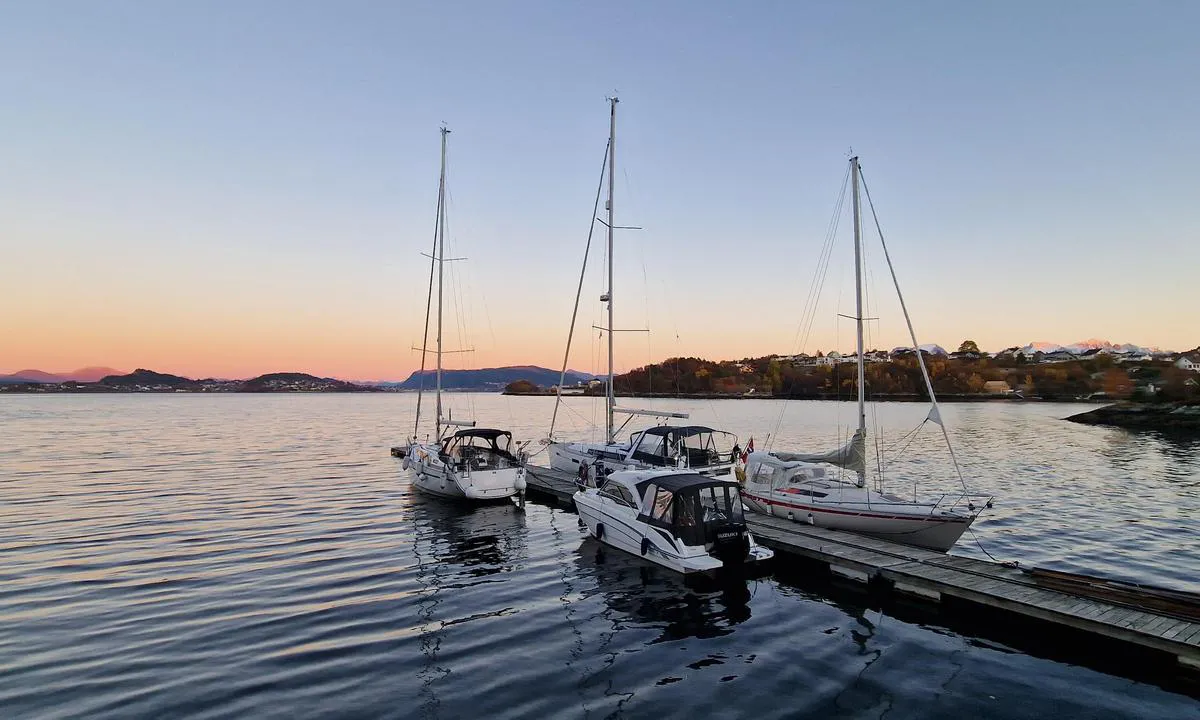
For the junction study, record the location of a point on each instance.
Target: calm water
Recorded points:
(228, 556)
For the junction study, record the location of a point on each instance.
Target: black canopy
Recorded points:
(679, 481)
(485, 433)
(677, 431)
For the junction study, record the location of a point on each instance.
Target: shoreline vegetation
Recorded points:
(879, 397)
(967, 375)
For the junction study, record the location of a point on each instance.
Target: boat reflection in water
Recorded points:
(460, 538)
(458, 552)
(681, 606)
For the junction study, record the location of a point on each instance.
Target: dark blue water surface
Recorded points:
(263, 556)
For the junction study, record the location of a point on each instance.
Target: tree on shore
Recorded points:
(521, 387)
(968, 346)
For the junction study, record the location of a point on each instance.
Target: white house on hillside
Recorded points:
(1186, 363)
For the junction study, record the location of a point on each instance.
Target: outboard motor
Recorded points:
(730, 543)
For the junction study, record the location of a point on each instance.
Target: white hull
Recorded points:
(433, 477)
(567, 457)
(918, 527)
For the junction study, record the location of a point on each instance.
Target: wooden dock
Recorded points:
(1165, 627)
(1162, 621)
(550, 484)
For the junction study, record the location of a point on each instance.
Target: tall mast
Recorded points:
(610, 398)
(441, 262)
(858, 310)
(437, 223)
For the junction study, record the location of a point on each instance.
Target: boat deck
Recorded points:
(1158, 620)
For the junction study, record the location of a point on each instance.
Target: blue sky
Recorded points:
(223, 188)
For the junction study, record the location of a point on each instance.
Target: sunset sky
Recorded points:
(226, 188)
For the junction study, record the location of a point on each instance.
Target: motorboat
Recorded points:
(694, 447)
(816, 487)
(472, 463)
(679, 519)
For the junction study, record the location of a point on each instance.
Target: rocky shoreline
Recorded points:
(1166, 417)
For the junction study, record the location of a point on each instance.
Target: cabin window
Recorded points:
(618, 492)
(719, 502)
(662, 506)
(763, 473)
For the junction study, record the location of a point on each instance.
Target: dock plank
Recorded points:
(1193, 638)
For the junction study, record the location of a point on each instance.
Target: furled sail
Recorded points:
(852, 455)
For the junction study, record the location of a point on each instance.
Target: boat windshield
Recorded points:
(699, 512)
(694, 445)
(480, 449)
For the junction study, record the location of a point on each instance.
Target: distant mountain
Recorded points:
(299, 382)
(148, 378)
(31, 376)
(928, 349)
(1041, 346)
(91, 374)
(491, 378)
(1083, 346)
(88, 374)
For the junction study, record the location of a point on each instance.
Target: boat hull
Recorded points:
(619, 530)
(433, 477)
(569, 457)
(932, 532)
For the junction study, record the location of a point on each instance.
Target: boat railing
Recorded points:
(973, 501)
(946, 502)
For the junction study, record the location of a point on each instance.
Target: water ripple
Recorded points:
(218, 557)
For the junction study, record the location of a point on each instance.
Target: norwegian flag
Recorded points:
(749, 449)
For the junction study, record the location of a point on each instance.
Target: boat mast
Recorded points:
(441, 262)
(610, 396)
(437, 223)
(858, 311)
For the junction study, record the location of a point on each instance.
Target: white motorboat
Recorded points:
(679, 519)
(698, 448)
(815, 487)
(471, 464)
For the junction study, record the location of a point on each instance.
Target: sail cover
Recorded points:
(851, 456)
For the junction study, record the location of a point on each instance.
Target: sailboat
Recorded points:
(469, 463)
(696, 447)
(812, 487)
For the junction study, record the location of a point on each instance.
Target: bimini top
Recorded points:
(485, 433)
(678, 431)
(679, 481)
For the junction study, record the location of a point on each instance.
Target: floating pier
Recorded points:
(1163, 621)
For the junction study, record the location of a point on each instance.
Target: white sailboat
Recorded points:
(811, 487)
(470, 463)
(696, 447)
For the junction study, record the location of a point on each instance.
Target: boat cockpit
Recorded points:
(479, 449)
